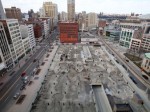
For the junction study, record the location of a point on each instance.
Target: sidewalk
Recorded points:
(10, 73)
(31, 91)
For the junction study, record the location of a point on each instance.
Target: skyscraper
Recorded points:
(71, 10)
(2, 15)
(50, 10)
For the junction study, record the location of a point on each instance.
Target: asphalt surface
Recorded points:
(15, 83)
(12, 86)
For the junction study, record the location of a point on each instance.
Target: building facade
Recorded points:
(92, 20)
(71, 10)
(14, 38)
(68, 32)
(13, 13)
(146, 63)
(50, 10)
(42, 12)
(31, 36)
(127, 35)
(63, 16)
(38, 32)
(5, 49)
(2, 14)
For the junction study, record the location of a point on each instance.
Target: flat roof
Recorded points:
(147, 55)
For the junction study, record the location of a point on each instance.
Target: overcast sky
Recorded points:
(106, 6)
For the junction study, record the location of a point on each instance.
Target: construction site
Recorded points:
(68, 86)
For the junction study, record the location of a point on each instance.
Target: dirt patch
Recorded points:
(43, 63)
(37, 72)
(47, 56)
(30, 83)
(21, 99)
(132, 57)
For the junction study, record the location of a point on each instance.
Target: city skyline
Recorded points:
(107, 6)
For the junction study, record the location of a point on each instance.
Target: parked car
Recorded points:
(22, 87)
(16, 95)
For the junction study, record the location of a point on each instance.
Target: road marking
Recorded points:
(17, 80)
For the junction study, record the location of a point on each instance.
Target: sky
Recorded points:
(105, 6)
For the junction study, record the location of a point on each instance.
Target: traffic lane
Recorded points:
(16, 75)
(17, 85)
(5, 101)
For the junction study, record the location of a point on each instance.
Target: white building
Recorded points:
(14, 38)
(63, 16)
(31, 36)
(28, 37)
(146, 63)
(2, 63)
(42, 12)
(92, 20)
(5, 49)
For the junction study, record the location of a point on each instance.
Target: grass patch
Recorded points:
(132, 57)
(43, 63)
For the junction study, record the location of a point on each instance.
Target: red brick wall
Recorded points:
(68, 32)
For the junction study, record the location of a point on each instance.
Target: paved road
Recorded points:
(15, 82)
(12, 86)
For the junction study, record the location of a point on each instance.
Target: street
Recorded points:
(14, 84)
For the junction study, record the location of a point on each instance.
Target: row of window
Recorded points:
(13, 24)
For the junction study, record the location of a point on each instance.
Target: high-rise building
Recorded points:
(14, 38)
(5, 49)
(63, 16)
(42, 12)
(92, 20)
(68, 32)
(51, 10)
(2, 14)
(71, 10)
(13, 13)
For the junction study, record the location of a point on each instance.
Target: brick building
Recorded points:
(14, 13)
(68, 32)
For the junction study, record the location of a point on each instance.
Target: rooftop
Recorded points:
(147, 55)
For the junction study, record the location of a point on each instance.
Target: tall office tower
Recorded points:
(14, 39)
(5, 49)
(71, 10)
(13, 13)
(50, 10)
(2, 14)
